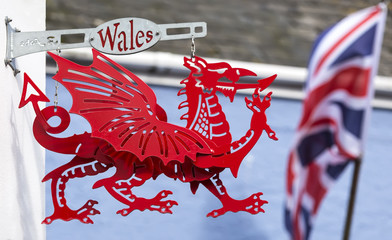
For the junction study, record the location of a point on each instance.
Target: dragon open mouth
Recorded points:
(229, 89)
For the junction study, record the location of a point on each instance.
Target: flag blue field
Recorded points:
(336, 109)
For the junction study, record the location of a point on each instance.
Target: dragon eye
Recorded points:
(220, 71)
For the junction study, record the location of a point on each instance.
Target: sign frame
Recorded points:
(133, 34)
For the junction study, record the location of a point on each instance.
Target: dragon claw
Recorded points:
(216, 213)
(255, 202)
(254, 104)
(154, 204)
(82, 214)
(251, 205)
(163, 206)
(272, 135)
(87, 210)
(124, 212)
(47, 220)
(164, 193)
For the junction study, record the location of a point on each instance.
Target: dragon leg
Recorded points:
(258, 107)
(78, 167)
(132, 173)
(251, 204)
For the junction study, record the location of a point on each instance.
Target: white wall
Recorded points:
(21, 158)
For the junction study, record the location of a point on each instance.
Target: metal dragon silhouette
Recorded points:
(130, 132)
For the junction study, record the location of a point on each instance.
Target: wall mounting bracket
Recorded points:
(119, 36)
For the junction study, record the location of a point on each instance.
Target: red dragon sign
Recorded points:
(130, 132)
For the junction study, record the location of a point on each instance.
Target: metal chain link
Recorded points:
(193, 48)
(56, 85)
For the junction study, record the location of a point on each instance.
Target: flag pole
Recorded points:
(351, 203)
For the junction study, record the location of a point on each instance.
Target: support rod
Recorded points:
(351, 203)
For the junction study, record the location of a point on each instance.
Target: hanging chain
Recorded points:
(193, 48)
(56, 85)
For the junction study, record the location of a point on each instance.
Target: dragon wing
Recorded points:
(123, 110)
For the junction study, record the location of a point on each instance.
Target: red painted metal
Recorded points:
(130, 132)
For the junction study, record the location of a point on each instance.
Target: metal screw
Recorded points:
(7, 20)
(8, 62)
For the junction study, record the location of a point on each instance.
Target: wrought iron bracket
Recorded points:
(119, 36)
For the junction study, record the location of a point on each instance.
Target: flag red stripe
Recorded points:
(333, 48)
(314, 187)
(353, 80)
(290, 174)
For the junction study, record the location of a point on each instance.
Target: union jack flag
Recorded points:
(338, 90)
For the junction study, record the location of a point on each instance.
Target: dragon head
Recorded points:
(213, 77)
